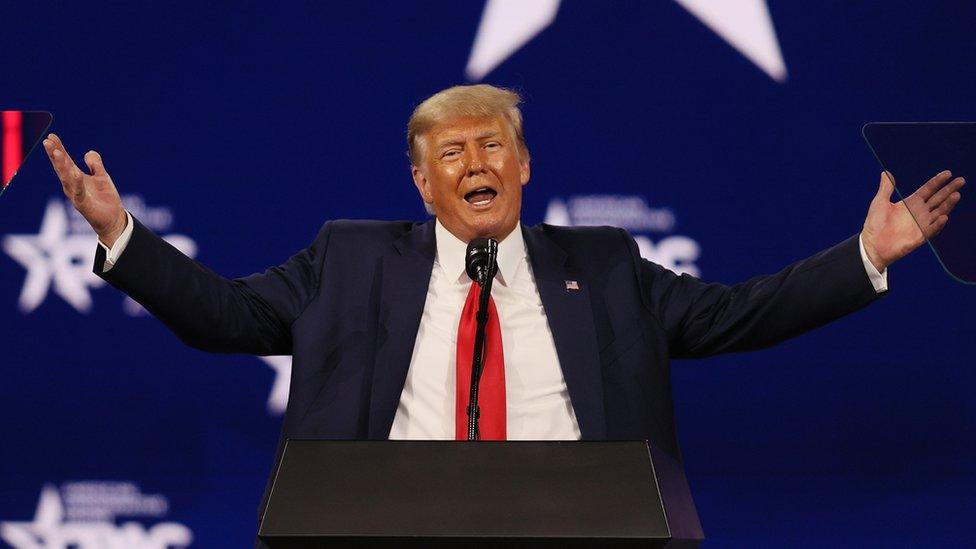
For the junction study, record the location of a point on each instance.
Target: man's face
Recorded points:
(472, 171)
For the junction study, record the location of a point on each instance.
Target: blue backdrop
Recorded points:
(236, 130)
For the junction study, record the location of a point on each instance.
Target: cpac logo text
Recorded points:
(59, 256)
(82, 515)
(675, 252)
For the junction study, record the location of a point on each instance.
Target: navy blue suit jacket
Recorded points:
(348, 308)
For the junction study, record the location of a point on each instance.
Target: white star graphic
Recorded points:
(747, 26)
(507, 25)
(47, 518)
(278, 399)
(52, 255)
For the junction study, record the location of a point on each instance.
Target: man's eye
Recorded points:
(450, 154)
(492, 145)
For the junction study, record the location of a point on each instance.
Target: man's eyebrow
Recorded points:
(460, 141)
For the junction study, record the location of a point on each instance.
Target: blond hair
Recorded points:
(475, 100)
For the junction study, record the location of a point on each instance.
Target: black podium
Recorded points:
(463, 493)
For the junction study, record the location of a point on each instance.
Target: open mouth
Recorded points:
(480, 197)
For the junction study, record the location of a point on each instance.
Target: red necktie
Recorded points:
(491, 391)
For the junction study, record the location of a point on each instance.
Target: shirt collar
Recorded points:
(451, 250)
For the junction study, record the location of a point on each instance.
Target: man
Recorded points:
(373, 312)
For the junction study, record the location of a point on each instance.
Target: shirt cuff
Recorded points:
(878, 280)
(112, 254)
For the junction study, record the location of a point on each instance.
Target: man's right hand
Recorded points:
(93, 195)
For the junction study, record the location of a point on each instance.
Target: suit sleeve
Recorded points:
(703, 319)
(251, 315)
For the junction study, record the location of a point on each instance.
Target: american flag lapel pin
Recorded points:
(572, 286)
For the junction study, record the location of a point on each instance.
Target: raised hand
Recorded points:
(892, 230)
(92, 194)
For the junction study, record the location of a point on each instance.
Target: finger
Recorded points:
(58, 145)
(60, 157)
(939, 197)
(947, 205)
(95, 164)
(885, 188)
(68, 172)
(936, 226)
(49, 148)
(932, 185)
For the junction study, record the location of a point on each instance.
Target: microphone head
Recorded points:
(479, 260)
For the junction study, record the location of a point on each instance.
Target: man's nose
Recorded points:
(475, 164)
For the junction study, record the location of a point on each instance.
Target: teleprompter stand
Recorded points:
(483, 493)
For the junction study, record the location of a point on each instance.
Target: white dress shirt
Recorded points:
(537, 399)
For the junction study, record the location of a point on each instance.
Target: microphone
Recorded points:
(480, 262)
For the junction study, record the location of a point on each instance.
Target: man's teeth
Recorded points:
(481, 197)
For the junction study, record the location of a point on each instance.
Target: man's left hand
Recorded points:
(892, 230)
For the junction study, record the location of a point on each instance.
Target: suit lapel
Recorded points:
(406, 275)
(570, 318)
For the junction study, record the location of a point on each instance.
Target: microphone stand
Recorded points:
(485, 277)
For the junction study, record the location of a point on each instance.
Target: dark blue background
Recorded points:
(254, 123)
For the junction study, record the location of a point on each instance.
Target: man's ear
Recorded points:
(422, 184)
(524, 170)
